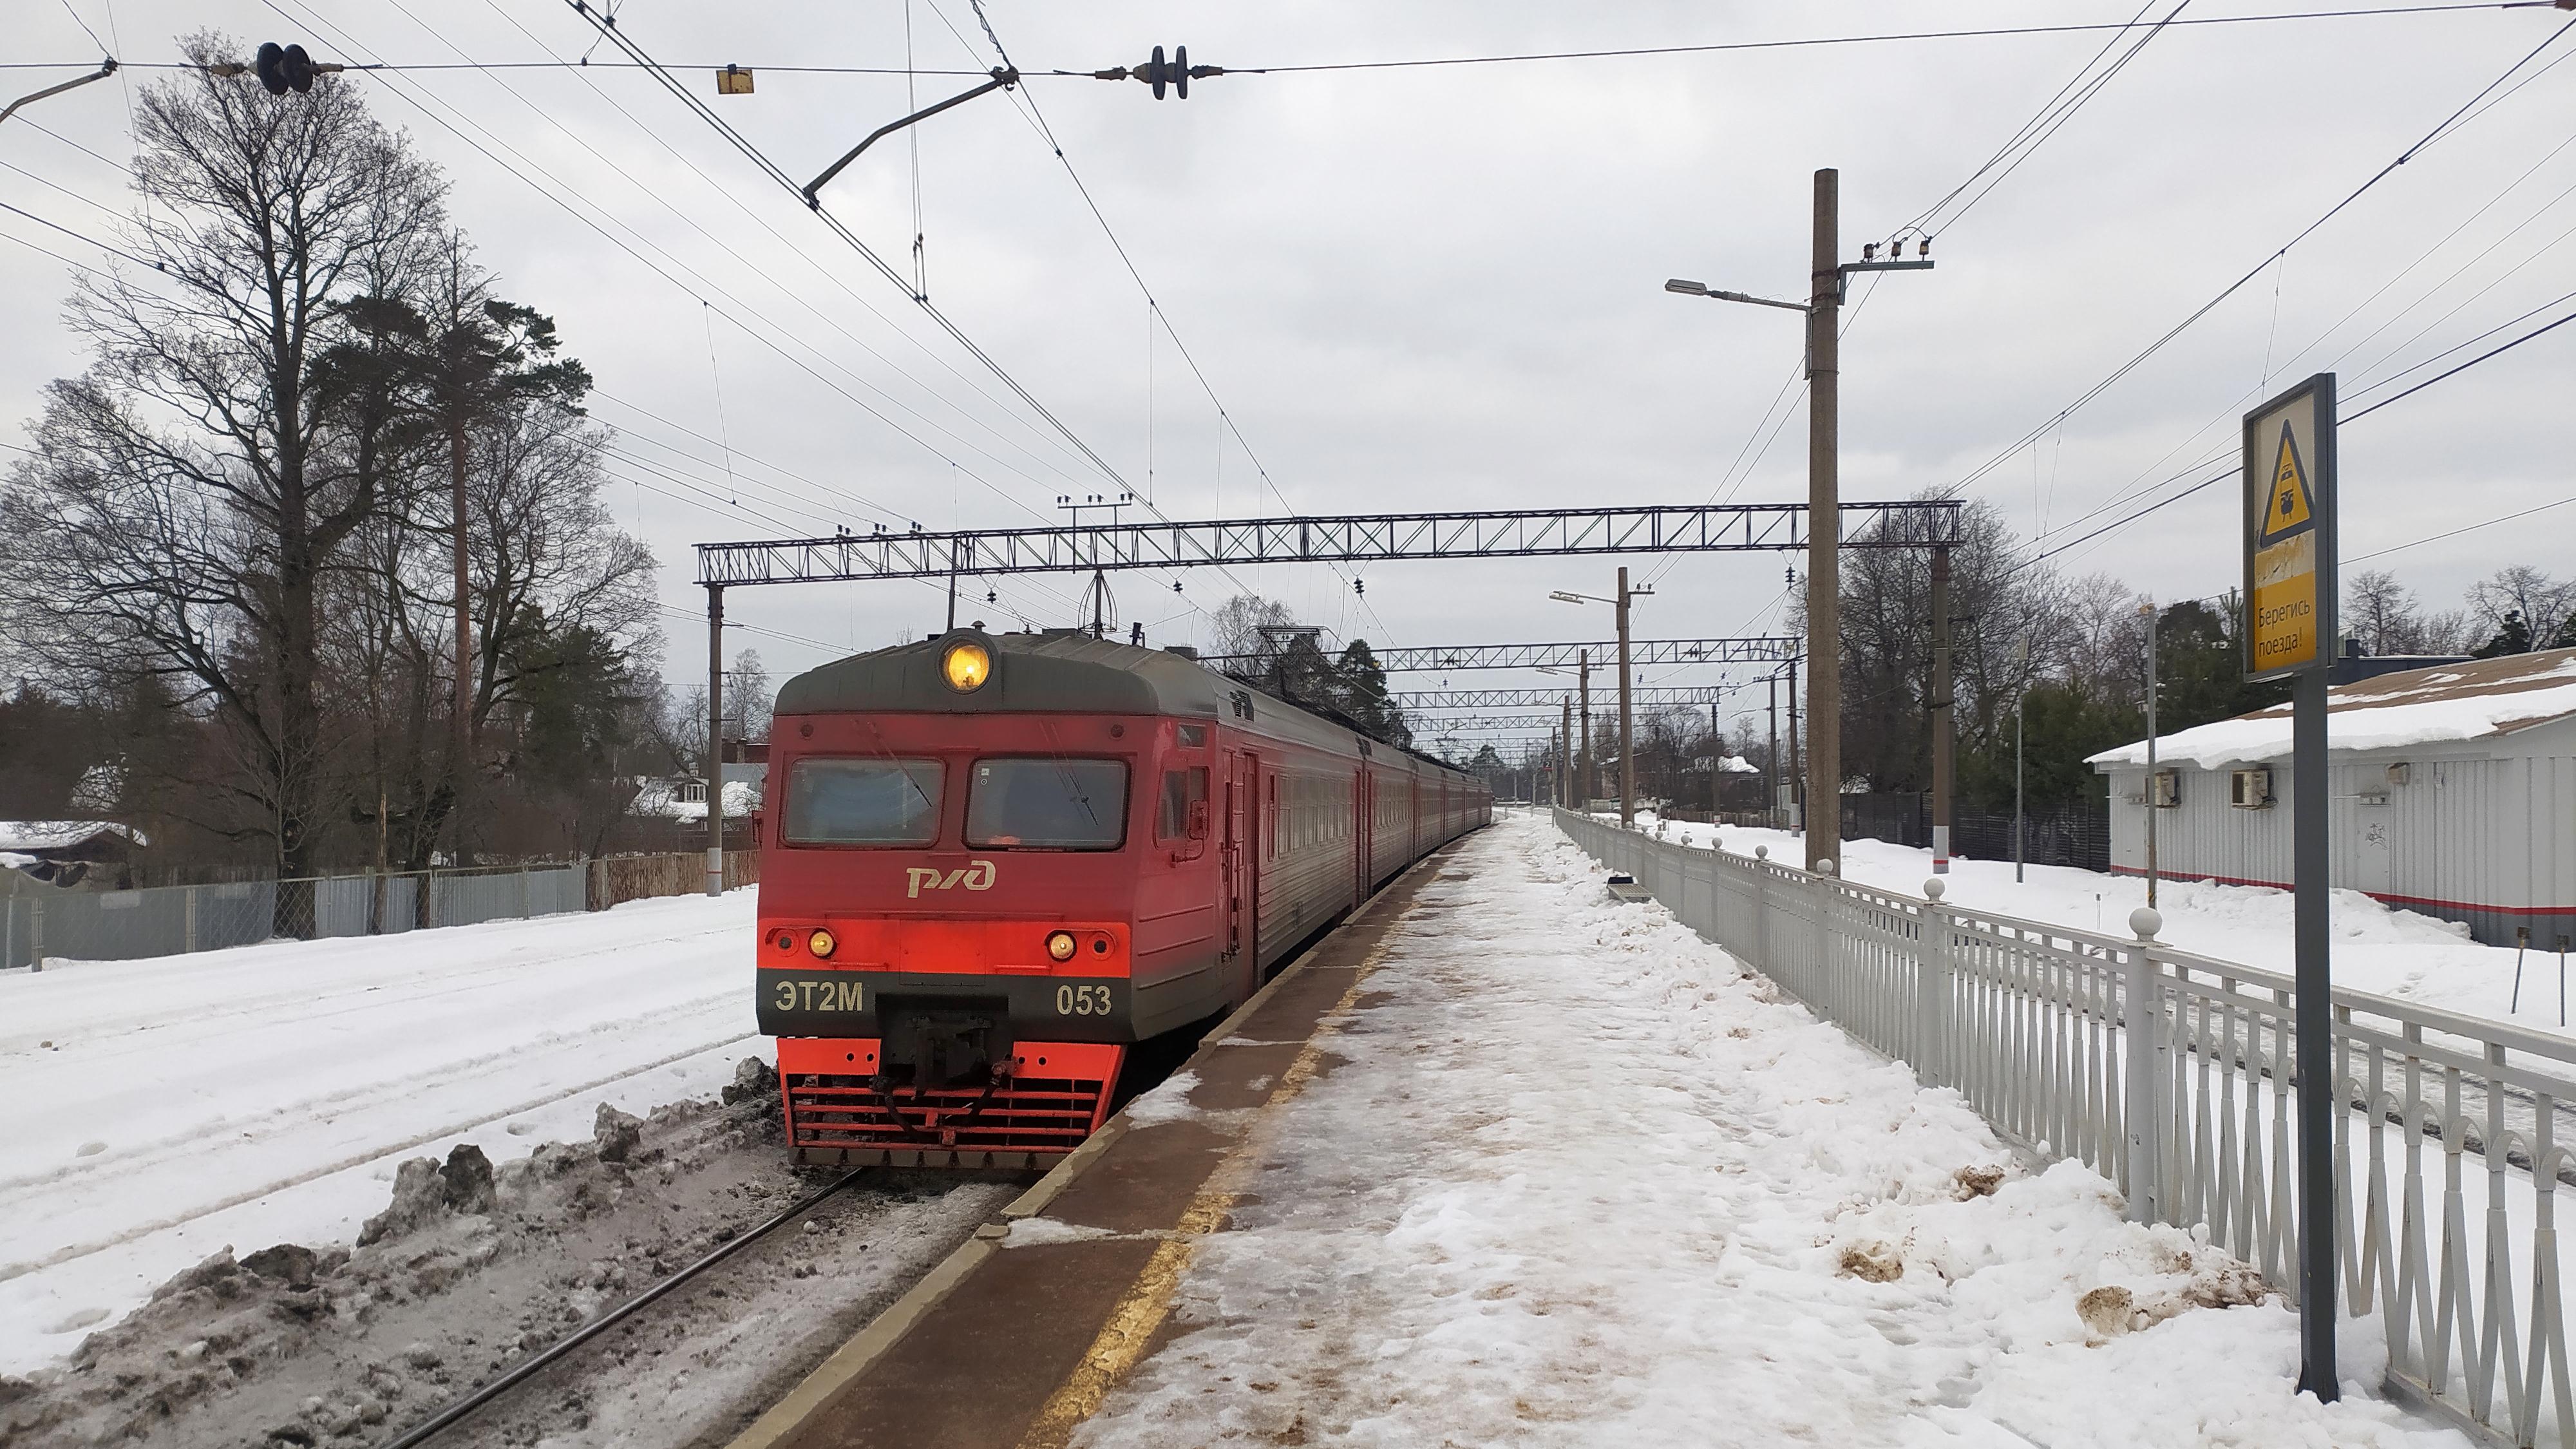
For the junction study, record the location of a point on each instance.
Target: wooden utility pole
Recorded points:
(1771, 762)
(1824, 814)
(715, 739)
(1627, 728)
(1941, 697)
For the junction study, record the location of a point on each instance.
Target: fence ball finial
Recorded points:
(1825, 866)
(1761, 852)
(2146, 921)
(1932, 889)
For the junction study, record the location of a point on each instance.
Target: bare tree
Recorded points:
(190, 494)
(2380, 612)
(2542, 603)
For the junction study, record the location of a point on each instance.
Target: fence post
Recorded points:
(2143, 1073)
(190, 913)
(1827, 996)
(1762, 910)
(1932, 992)
(9, 935)
(36, 934)
(523, 890)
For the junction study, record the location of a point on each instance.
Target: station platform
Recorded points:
(1505, 1159)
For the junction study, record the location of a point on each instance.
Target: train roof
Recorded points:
(1061, 672)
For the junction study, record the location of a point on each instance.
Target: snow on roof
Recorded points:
(662, 797)
(27, 835)
(2467, 701)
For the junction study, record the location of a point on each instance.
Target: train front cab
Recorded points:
(966, 920)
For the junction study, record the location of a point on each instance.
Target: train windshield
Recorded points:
(1048, 804)
(863, 802)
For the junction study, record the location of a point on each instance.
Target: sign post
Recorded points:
(2290, 589)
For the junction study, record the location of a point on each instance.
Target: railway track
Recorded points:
(466, 1406)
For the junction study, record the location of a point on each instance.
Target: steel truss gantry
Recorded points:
(1344, 538)
(1655, 697)
(1751, 649)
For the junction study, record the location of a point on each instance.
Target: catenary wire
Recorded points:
(2448, 124)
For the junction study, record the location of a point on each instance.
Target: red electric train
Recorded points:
(995, 863)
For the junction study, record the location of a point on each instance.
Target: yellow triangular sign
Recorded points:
(2286, 506)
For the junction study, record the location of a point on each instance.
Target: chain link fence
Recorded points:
(48, 924)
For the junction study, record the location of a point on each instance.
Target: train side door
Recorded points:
(1363, 825)
(1236, 856)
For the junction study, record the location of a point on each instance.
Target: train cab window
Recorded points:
(862, 802)
(1048, 804)
(1193, 737)
(1183, 790)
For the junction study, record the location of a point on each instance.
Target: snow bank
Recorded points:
(162, 1109)
(1579, 1179)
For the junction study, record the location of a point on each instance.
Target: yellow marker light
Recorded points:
(1060, 945)
(966, 666)
(821, 944)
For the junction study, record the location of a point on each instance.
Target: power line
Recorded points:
(2456, 532)
(2448, 124)
(1626, 52)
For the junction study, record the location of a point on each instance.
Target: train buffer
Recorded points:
(1504, 1160)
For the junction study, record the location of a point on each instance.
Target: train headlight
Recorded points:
(1060, 945)
(821, 944)
(966, 666)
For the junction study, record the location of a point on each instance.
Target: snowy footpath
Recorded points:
(160, 1110)
(1572, 1176)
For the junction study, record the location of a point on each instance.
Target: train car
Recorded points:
(994, 863)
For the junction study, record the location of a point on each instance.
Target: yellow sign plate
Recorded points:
(2289, 538)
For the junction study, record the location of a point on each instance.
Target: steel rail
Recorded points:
(528, 1368)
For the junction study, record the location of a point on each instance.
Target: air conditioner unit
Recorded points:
(2164, 789)
(2250, 789)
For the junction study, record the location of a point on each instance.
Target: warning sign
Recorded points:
(2288, 505)
(2289, 556)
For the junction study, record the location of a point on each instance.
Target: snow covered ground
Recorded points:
(1574, 1177)
(160, 1110)
(2377, 948)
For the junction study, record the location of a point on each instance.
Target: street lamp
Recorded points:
(1627, 725)
(1828, 277)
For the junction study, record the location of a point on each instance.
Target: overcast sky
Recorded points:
(1442, 288)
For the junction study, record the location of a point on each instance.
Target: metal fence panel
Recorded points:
(77, 925)
(2172, 1075)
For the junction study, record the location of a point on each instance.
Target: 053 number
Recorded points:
(1082, 1001)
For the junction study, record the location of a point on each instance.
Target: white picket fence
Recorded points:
(2173, 1075)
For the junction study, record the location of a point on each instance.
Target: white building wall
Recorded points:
(2487, 824)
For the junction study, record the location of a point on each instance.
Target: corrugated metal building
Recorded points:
(2454, 794)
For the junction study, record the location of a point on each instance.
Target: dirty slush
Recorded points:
(471, 1267)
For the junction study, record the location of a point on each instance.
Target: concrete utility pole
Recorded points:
(1627, 735)
(715, 739)
(1771, 761)
(1797, 775)
(1584, 792)
(1824, 533)
(1943, 694)
(1565, 755)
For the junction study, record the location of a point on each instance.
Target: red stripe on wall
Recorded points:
(2388, 898)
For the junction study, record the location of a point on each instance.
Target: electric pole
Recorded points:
(715, 739)
(1565, 755)
(1583, 747)
(1824, 533)
(1627, 737)
(1942, 697)
(1823, 307)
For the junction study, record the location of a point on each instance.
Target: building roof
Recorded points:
(2476, 699)
(28, 836)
